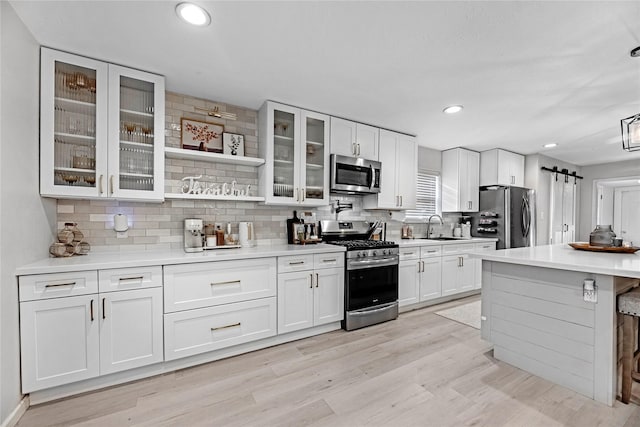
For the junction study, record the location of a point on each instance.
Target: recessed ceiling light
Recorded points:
(193, 14)
(550, 145)
(451, 109)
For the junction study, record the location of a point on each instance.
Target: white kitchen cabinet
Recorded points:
(71, 338)
(409, 273)
(354, 139)
(311, 297)
(59, 340)
(419, 274)
(130, 329)
(481, 247)
(501, 167)
(192, 332)
(101, 130)
(430, 277)
(295, 301)
(460, 180)
(399, 157)
(190, 286)
(458, 271)
(295, 145)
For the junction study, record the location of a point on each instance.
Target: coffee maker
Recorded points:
(193, 235)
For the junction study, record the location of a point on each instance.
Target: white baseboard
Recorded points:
(17, 413)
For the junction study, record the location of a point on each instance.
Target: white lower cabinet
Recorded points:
(68, 339)
(430, 278)
(310, 297)
(190, 286)
(60, 341)
(212, 305)
(191, 332)
(481, 247)
(419, 275)
(458, 270)
(130, 329)
(433, 271)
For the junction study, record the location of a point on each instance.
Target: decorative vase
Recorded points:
(602, 235)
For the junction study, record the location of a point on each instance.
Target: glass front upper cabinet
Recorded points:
(294, 144)
(80, 154)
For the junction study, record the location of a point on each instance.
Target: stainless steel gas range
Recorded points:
(371, 276)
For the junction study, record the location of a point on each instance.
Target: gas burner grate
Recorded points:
(364, 244)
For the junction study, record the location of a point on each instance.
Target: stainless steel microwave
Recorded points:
(354, 175)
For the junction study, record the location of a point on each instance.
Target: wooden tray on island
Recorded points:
(583, 246)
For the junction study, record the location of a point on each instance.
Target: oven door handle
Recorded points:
(378, 262)
(376, 310)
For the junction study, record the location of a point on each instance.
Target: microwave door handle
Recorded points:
(372, 177)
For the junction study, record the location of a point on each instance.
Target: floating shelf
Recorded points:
(180, 196)
(179, 153)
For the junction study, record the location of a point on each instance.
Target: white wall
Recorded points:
(429, 159)
(587, 210)
(27, 221)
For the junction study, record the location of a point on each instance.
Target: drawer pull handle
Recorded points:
(408, 253)
(330, 260)
(431, 252)
(55, 285)
(296, 263)
(131, 279)
(228, 282)
(226, 327)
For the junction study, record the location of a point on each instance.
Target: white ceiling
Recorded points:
(528, 73)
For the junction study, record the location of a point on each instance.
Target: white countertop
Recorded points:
(564, 257)
(407, 243)
(124, 259)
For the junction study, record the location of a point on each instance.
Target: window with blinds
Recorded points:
(427, 196)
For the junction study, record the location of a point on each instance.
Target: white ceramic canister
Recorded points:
(246, 234)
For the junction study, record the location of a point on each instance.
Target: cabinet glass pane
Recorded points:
(74, 126)
(136, 134)
(284, 154)
(315, 146)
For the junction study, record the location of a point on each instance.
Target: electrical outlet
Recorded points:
(590, 291)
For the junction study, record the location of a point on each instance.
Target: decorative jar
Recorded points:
(602, 235)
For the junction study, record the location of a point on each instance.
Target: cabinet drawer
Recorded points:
(409, 253)
(44, 286)
(119, 279)
(430, 251)
(207, 329)
(485, 247)
(192, 286)
(459, 248)
(287, 264)
(332, 260)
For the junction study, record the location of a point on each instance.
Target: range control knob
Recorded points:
(373, 253)
(363, 254)
(384, 252)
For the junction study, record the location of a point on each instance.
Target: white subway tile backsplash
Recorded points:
(155, 226)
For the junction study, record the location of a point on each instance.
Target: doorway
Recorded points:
(617, 203)
(626, 210)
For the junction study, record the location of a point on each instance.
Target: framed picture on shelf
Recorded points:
(233, 144)
(202, 136)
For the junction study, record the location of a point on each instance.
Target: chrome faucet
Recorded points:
(429, 224)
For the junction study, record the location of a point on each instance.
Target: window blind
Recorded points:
(427, 195)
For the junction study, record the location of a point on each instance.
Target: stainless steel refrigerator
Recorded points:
(507, 213)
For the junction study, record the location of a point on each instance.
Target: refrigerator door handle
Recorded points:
(526, 217)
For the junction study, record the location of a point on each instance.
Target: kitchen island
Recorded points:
(534, 313)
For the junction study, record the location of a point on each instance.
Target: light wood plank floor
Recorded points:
(422, 370)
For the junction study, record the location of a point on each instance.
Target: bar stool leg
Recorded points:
(627, 356)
